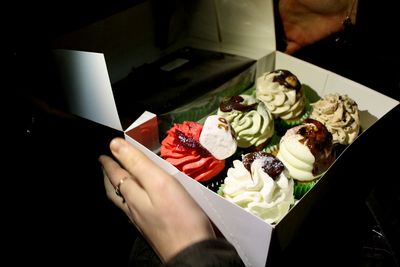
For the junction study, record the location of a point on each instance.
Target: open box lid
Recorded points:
(243, 28)
(88, 94)
(87, 87)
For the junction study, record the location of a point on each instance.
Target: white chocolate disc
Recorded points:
(217, 137)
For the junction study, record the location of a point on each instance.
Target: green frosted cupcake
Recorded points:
(252, 123)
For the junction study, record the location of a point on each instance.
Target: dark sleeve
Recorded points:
(207, 253)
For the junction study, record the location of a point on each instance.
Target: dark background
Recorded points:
(56, 209)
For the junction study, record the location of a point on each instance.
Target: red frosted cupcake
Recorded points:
(181, 147)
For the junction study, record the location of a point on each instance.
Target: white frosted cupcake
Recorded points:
(283, 95)
(260, 185)
(307, 152)
(252, 123)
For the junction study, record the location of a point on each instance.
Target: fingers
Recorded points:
(113, 170)
(146, 172)
(110, 191)
(116, 178)
(155, 201)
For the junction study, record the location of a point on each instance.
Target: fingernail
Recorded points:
(117, 144)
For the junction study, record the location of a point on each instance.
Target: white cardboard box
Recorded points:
(240, 27)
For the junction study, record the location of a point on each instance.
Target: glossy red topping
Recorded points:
(182, 149)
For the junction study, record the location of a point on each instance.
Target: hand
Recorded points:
(308, 21)
(154, 201)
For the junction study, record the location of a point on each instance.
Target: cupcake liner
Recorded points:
(215, 183)
(272, 150)
(301, 188)
(282, 125)
(220, 190)
(273, 145)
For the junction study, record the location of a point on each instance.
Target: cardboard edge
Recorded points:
(145, 131)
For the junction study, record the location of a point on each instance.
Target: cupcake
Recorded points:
(340, 115)
(307, 152)
(199, 150)
(283, 95)
(252, 123)
(259, 184)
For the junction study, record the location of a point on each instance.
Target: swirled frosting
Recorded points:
(259, 185)
(182, 149)
(252, 123)
(306, 150)
(282, 94)
(340, 115)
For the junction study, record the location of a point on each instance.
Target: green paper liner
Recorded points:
(272, 150)
(273, 145)
(301, 188)
(282, 125)
(220, 190)
(215, 183)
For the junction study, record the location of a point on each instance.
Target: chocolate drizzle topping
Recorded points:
(287, 79)
(235, 102)
(319, 140)
(271, 165)
(191, 143)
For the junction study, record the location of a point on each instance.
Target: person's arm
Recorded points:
(207, 253)
(308, 21)
(162, 210)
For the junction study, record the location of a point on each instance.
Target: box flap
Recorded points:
(145, 131)
(87, 87)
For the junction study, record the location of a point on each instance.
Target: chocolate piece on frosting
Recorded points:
(319, 140)
(287, 79)
(235, 102)
(271, 165)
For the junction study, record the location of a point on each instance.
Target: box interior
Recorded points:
(250, 235)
